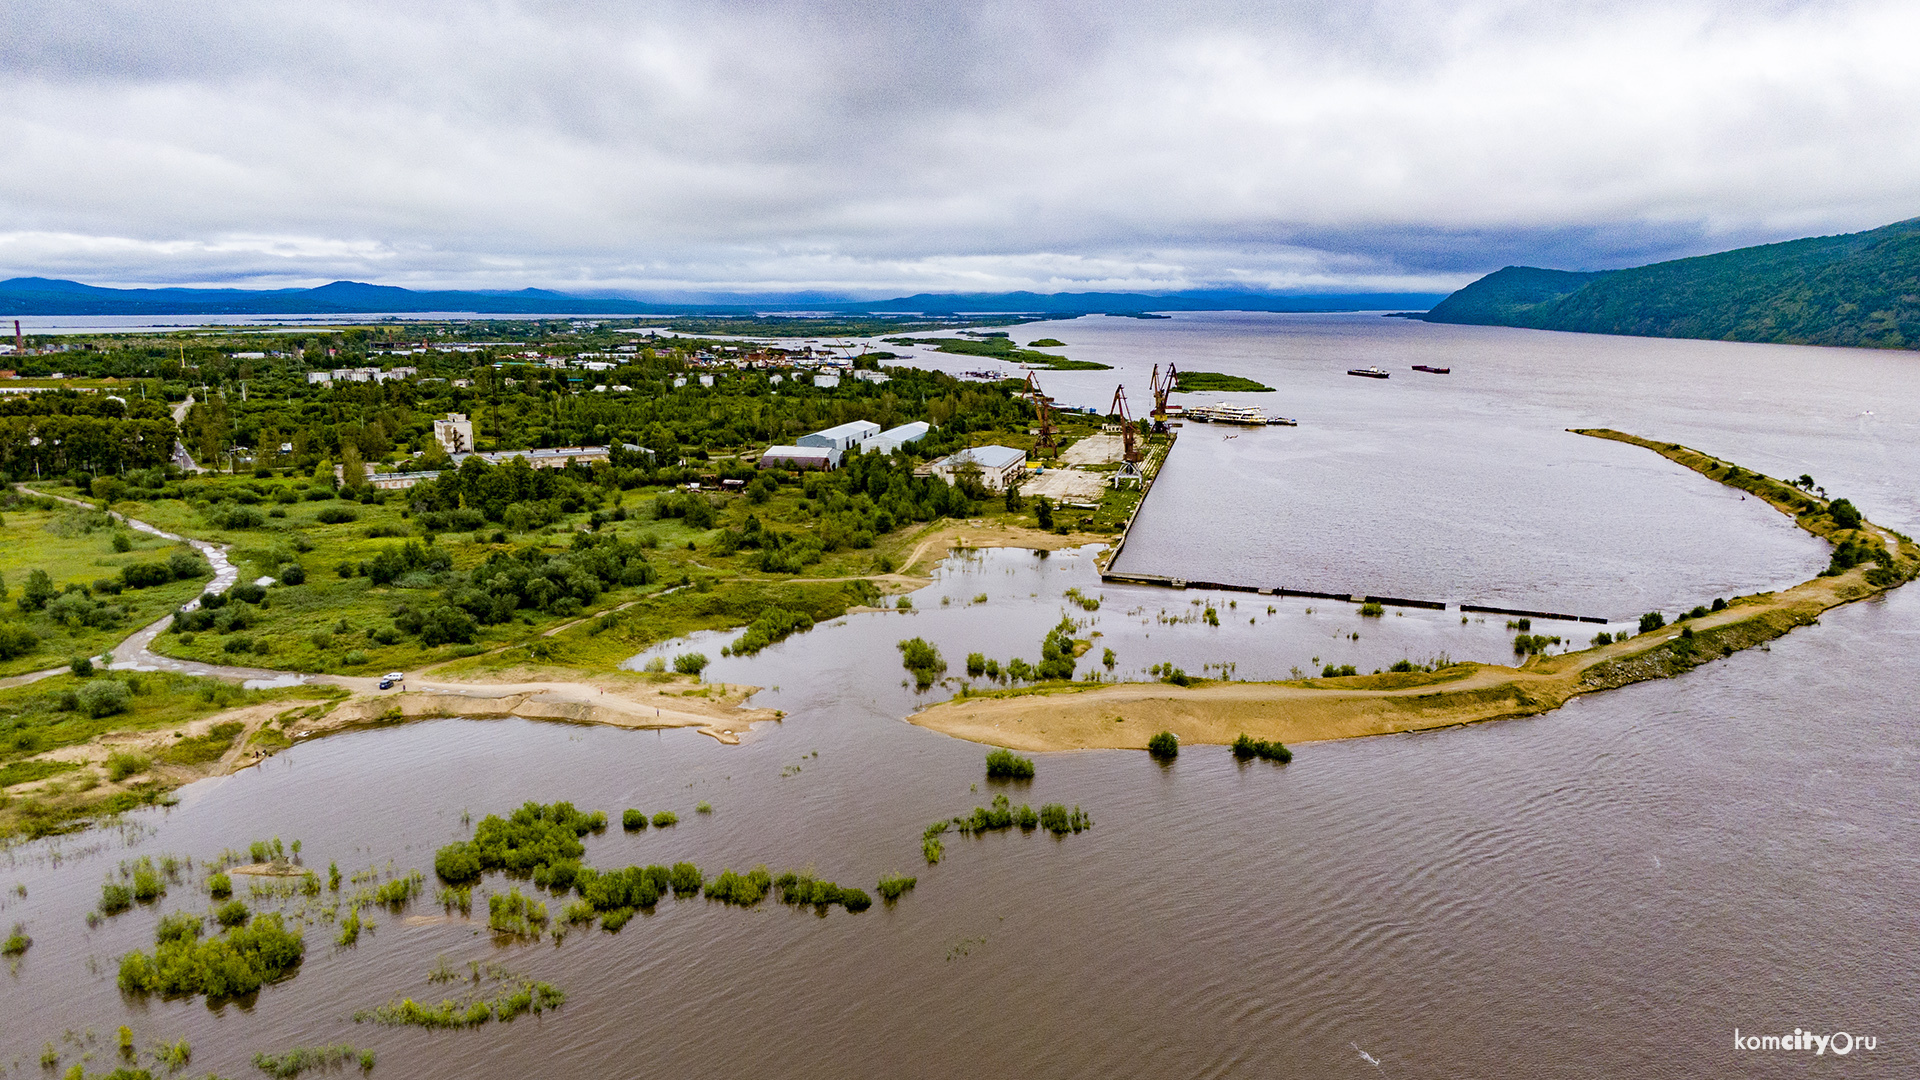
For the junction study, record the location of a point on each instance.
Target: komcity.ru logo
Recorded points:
(1839, 1042)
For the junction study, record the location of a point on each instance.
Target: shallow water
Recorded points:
(1605, 891)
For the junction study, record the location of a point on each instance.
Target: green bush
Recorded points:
(1652, 621)
(923, 660)
(772, 625)
(16, 640)
(304, 1058)
(633, 820)
(231, 914)
(1844, 514)
(893, 886)
(743, 890)
(1164, 745)
(1246, 748)
(1058, 820)
(115, 898)
(219, 886)
(665, 818)
(105, 697)
(336, 515)
(533, 836)
(147, 883)
(179, 926)
(122, 763)
(1006, 765)
(1371, 610)
(514, 914)
(236, 963)
(692, 663)
(685, 879)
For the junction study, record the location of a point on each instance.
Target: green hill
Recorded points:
(1860, 289)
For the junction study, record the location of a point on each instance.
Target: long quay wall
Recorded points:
(1351, 598)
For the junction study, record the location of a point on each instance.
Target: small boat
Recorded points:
(1433, 370)
(1281, 421)
(1368, 373)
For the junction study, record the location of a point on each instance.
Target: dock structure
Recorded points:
(1350, 598)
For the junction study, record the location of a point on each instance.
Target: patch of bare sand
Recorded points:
(619, 699)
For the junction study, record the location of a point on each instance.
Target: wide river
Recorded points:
(1609, 890)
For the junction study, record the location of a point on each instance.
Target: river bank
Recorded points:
(1069, 716)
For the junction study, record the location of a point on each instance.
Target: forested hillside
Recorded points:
(1860, 289)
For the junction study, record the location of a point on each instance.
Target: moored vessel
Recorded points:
(1368, 373)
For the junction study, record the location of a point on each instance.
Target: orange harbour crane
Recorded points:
(1131, 453)
(1160, 389)
(1045, 439)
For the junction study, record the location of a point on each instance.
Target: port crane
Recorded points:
(1160, 389)
(1131, 454)
(1045, 439)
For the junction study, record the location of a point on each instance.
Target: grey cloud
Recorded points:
(869, 147)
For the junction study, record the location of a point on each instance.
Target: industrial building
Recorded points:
(886, 442)
(800, 457)
(842, 438)
(1000, 466)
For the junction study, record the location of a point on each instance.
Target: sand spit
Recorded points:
(1124, 715)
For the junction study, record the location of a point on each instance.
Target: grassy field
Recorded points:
(77, 548)
(48, 729)
(339, 620)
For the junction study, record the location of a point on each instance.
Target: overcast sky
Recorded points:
(884, 148)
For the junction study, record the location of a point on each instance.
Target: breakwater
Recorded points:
(1351, 598)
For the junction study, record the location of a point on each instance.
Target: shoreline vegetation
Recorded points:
(164, 471)
(1868, 560)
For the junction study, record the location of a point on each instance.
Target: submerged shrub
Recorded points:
(115, 898)
(685, 879)
(633, 820)
(893, 886)
(1006, 765)
(1164, 745)
(515, 914)
(304, 1058)
(921, 659)
(744, 890)
(219, 886)
(1246, 748)
(236, 963)
(665, 818)
(534, 835)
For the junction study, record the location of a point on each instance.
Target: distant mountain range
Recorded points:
(49, 296)
(1861, 289)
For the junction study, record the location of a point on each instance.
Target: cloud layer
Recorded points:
(884, 148)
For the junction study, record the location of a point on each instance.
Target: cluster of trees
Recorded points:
(61, 432)
(248, 955)
(532, 837)
(1057, 660)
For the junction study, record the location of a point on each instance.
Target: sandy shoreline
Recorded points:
(1124, 715)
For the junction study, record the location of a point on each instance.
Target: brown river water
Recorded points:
(1609, 890)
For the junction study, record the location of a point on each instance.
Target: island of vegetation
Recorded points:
(1209, 382)
(1867, 560)
(1861, 289)
(997, 345)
